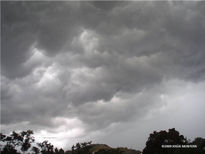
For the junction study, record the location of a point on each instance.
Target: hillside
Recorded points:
(104, 149)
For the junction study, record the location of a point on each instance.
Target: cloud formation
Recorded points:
(91, 66)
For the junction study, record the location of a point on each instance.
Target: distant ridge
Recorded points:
(105, 149)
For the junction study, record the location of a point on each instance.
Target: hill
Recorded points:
(104, 149)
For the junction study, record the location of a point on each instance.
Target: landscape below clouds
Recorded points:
(110, 72)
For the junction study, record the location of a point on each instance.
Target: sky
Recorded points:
(110, 72)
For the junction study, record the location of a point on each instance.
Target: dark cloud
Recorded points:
(97, 64)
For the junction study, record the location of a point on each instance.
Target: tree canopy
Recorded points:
(173, 142)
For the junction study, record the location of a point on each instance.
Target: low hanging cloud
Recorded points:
(88, 66)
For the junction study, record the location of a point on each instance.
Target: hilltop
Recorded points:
(104, 149)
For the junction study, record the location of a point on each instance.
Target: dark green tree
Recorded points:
(46, 147)
(200, 142)
(9, 149)
(26, 139)
(81, 148)
(36, 150)
(23, 139)
(157, 139)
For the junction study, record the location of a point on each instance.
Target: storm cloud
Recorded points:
(87, 70)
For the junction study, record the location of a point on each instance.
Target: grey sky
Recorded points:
(111, 72)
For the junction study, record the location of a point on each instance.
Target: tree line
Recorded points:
(162, 142)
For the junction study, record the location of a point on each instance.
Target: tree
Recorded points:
(26, 139)
(47, 148)
(59, 151)
(200, 142)
(157, 139)
(81, 148)
(36, 150)
(9, 149)
(2, 137)
(22, 141)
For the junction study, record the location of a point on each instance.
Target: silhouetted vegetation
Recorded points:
(24, 142)
(172, 142)
(81, 148)
(109, 151)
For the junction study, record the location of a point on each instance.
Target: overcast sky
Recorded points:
(110, 72)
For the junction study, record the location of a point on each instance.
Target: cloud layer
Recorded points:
(85, 68)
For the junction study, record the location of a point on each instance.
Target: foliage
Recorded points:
(200, 142)
(9, 149)
(157, 139)
(23, 141)
(81, 148)
(172, 137)
(46, 147)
